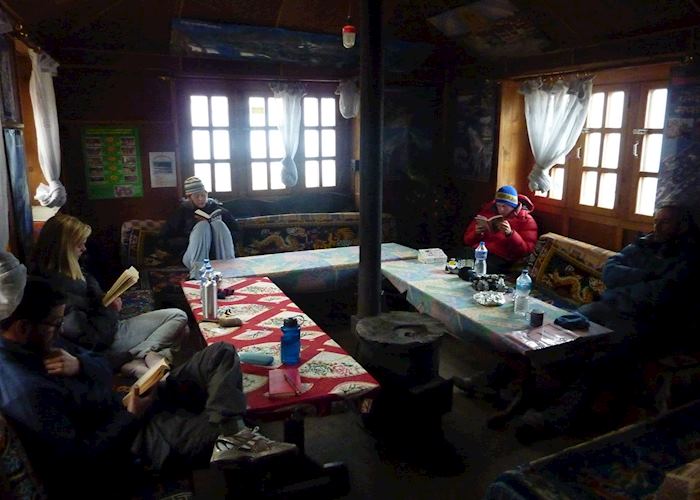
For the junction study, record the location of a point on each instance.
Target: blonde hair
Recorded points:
(54, 250)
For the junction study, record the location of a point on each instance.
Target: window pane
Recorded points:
(222, 148)
(608, 185)
(646, 196)
(328, 172)
(201, 149)
(613, 115)
(328, 112)
(595, 110)
(276, 144)
(222, 177)
(199, 109)
(591, 150)
(588, 188)
(258, 144)
(274, 106)
(651, 153)
(219, 111)
(310, 112)
(556, 190)
(203, 171)
(611, 150)
(276, 176)
(328, 143)
(258, 171)
(311, 143)
(656, 108)
(312, 174)
(256, 112)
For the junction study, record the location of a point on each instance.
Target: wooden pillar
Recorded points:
(371, 110)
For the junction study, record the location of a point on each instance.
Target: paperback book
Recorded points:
(214, 215)
(146, 381)
(125, 281)
(490, 223)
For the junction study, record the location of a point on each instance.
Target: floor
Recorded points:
(460, 463)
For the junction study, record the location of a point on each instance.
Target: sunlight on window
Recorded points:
(611, 150)
(608, 186)
(616, 107)
(258, 144)
(201, 148)
(274, 106)
(656, 108)
(222, 147)
(219, 111)
(222, 177)
(328, 112)
(646, 196)
(328, 172)
(310, 112)
(588, 188)
(591, 150)
(203, 171)
(256, 111)
(276, 176)
(556, 190)
(327, 143)
(199, 110)
(651, 153)
(595, 110)
(258, 170)
(276, 144)
(311, 143)
(312, 174)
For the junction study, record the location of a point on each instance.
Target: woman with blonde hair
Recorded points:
(132, 344)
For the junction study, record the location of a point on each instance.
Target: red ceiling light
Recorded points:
(349, 32)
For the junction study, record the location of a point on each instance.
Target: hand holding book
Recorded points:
(146, 381)
(127, 279)
(216, 214)
(490, 224)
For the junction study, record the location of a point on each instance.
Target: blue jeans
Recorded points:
(204, 236)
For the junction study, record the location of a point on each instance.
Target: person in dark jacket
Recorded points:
(193, 237)
(83, 439)
(131, 344)
(514, 236)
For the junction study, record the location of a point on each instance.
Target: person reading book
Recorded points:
(130, 344)
(506, 226)
(200, 228)
(83, 440)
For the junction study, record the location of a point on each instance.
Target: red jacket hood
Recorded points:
(525, 202)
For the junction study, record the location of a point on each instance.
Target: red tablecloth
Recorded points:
(328, 373)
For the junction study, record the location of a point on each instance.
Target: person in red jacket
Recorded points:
(509, 239)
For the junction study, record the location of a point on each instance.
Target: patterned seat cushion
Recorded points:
(17, 479)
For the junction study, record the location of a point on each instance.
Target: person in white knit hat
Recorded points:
(195, 237)
(13, 276)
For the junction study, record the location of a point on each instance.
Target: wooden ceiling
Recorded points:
(145, 25)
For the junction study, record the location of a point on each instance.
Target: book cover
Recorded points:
(146, 381)
(215, 214)
(541, 337)
(491, 223)
(284, 382)
(125, 281)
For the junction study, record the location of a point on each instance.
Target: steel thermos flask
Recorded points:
(209, 299)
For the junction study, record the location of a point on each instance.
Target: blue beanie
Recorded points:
(507, 195)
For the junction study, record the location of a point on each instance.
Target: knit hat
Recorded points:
(193, 185)
(507, 195)
(13, 277)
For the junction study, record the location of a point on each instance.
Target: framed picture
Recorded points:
(474, 131)
(9, 100)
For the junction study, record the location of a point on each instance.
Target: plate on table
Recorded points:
(490, 298)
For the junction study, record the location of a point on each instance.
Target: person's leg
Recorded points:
(200, 243)
(160, 331)
(222, 240)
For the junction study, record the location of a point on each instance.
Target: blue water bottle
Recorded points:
(291, 341)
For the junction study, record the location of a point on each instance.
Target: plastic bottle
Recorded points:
(202, 278)
(523, 285)
(480, 255)
(290, 347)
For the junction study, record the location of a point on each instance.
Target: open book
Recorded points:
(215, 214)
(146, 381)
(491, 223)
(127, 279)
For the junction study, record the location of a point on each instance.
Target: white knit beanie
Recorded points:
(13, 277)
(193, 185)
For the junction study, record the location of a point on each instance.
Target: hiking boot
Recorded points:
(248, 446)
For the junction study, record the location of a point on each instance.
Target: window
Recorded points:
(614, 167)
(237, 148)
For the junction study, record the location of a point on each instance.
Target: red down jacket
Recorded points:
(521, 241)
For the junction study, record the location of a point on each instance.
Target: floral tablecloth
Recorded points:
(328, 373)
(308, 270)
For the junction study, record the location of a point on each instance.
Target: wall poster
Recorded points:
(112, 162)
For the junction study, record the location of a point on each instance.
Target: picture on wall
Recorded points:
(112, 162)
(474, 132)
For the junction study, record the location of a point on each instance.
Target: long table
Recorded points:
(324, 269)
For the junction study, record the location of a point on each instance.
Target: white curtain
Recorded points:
(555, 113)
(289, 126)
(5, 27)
(46, 120)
